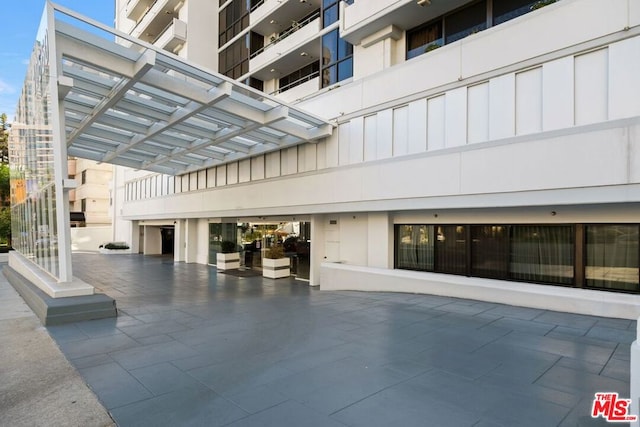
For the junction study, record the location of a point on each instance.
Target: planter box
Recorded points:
(276, 268)
(228, 261)
(114, 251)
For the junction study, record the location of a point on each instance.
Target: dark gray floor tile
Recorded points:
(581, 365)
(565, 331)
(98, 328)
(530, 327)
(580, 382)
(607, 322)
(154, 339)
(612, 334)
(152, 329)
(617, 369)
(515, 387)
(406, 405)
(94, 346)
(186, 407)
(257, 399)
(86, 362)
(572, 320)
(516, 410)
(66, 333)
(573, 349)
(152, 354)
(516, 312)
(113, 385)
(288, 413)
(163, 378)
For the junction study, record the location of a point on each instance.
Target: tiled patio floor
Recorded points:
(195, 348)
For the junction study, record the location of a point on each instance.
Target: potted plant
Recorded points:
(228, 258)
(275, 264)
(114, 248)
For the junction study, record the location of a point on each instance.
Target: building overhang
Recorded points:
(129, 103)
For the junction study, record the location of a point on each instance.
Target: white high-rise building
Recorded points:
(482, 149)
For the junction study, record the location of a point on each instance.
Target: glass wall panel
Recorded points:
(451, 249)
(219, 232)
(490, 251)
(466, 21)
(612, 257)
(33, 195)
(542, 253)
(414, 247)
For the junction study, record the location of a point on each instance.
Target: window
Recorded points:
(232, 20)
(414, 247)
(299, 76)
(490, 251)
(451, 249)
(83, 205)
(505, 10)
(337, 59)
(542, 253)
(605, 256)
(424, 39)
(460, 23)
(330, 12)
(234, 60)
(612, 257)
(83, 177)
(466, 21)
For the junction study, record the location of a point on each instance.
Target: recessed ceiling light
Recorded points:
(304, 54)
(273, 21)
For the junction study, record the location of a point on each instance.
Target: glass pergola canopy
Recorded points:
(128, 103)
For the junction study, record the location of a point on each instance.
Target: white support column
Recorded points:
(191, 241)
(179, 242)
(60, 165)
(380, 240)
(317, 248)
(635, 377)
(134, 238)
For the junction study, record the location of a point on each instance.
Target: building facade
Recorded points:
(481, 148)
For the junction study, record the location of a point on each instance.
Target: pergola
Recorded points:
(97, 93)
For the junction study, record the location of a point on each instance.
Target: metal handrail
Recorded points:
(297, 82)
(292, 29)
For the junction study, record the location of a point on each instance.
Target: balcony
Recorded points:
(365, 17)
(156, 19)
(136, 8)
(273, 16)
(173, 36)
(289, 51)
(299, 89)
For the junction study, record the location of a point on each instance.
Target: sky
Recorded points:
(18, 33)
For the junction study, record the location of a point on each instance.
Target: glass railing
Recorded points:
(286, 33)
(297, 82)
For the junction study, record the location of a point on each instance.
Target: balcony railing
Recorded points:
(296, 83)
(286, 33)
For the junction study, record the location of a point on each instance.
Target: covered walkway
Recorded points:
(195, 347)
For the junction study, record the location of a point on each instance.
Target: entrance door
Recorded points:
(167, 240)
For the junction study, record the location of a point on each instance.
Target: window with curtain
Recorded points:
(451, 249)
(542, 253)
(612, 257)
(490, 251)
(414, 247)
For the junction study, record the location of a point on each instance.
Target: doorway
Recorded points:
(167, 236)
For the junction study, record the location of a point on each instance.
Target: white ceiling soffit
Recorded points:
(130, 104)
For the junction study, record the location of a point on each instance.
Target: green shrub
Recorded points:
(115, 245)
(227, 247)
(541, 3)
(274, 252)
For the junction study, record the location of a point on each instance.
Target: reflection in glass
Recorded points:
(542, 253)
(33, 196)
(612, 256)
(414, 247)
